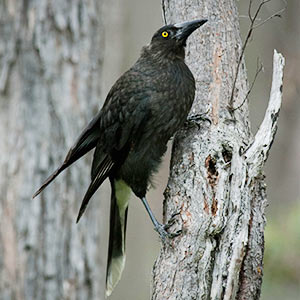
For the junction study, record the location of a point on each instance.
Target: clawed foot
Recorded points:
(195, 119)
(164, 235)
(162, 229)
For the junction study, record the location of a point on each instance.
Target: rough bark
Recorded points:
(216, 180)
(50, 64)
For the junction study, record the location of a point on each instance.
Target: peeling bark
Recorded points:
(50, 64)
(216, 180)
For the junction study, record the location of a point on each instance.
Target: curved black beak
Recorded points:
(186, 28)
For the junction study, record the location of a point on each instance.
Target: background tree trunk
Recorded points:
(216, 181)
(50, 66)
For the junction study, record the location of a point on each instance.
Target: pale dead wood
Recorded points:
(257, 153)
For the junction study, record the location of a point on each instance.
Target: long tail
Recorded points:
(85, 142)
(118, 217)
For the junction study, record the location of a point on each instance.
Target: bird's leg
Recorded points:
(160, 228)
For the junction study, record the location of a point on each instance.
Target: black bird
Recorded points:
(142, 111)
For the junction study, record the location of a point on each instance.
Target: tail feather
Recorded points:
(117, 233)
(85, 142)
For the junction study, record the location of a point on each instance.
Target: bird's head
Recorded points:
(172, 38)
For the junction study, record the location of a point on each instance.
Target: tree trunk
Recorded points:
(50, 65)
(216, 181)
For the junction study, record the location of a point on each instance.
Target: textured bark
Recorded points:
(216, 181)
(50, 63)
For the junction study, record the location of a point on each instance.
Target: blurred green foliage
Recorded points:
(282, 255)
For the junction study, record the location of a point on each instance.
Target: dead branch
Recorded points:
(257, 153)
(253, 18)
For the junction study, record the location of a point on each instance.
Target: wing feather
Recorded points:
(104, 171)
(86, 141)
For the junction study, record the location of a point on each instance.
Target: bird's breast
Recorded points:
(172, 101)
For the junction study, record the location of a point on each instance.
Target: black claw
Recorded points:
(195, 119)
(169, 224)
(173, 216)
(172, 220)
(177, 233)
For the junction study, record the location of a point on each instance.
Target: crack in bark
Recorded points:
(212, 175)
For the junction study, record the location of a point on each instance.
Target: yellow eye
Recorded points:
(165, 34)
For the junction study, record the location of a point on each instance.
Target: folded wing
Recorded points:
(86, 141)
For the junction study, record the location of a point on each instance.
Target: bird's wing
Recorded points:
(123, 115)
(103, 172)
(126, 110)
(85, 142)
(105, 163)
